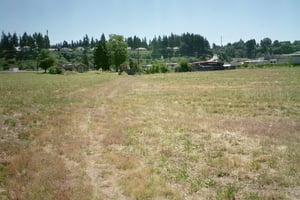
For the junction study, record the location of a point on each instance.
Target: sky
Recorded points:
(230, 20)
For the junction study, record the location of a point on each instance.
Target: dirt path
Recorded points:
(99, 122)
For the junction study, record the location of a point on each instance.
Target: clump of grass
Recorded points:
(122, 161)
(253, 196)
(10, 122)
(228, 192)
(114, 136)
(24, 136)
(181, 173)
(2, 173)
(144, 184)
(24, 182)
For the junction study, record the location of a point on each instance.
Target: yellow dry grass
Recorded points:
(209, 135)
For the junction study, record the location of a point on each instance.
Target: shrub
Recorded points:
(183, 66)
(157, 67)
(133, 68)
(56, 70)
(81, 68)
(163, 68)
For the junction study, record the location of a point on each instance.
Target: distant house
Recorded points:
(26, 48)
(65, 50)
(146, 66)
(141, 49)
(52, 49)
(81, 68)
(257, 61)
(80, 49)
(72, 67)
(67, 66)
(171, 65)
(14, 69)
(173, 48)
(293, 58)
(18, 48)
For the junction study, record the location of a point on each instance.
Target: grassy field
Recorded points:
(203, 135)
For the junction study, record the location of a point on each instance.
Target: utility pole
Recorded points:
(221, 41)
(138, 56)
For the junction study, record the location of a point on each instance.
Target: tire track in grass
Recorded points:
(103, 176)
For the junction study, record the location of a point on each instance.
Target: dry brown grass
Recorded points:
(208, 135)
(114, 136)
(121, 161)
(144, 184)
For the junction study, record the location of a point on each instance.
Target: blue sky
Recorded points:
(232, 19)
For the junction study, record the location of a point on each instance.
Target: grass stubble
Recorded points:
(209, 135)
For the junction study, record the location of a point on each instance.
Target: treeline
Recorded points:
(36, 40)
(14, 47)
(251, 49)
(136, 42)
(84, 42)
(187, 44)
(195, 45)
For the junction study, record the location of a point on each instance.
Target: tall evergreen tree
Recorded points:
(102, 55)
(85, 58)
(39, 40)
(144, 43)
(15, 40)
(24, 41)
(86, 41)
(92, 42)
(46, 42)
(65, 44)
(251, 48)
(130, 42)
(7, 46)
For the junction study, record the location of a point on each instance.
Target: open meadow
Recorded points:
(203, 135)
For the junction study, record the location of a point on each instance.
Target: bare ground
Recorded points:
(104, 176)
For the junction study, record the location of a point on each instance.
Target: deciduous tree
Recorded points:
(266, 46)
(118, 49)
(45, 60)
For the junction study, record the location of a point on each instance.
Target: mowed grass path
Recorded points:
(207, 135)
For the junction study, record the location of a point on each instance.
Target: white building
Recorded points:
(80, 49)
(293, 58)
(65, 50)
(14, 69)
